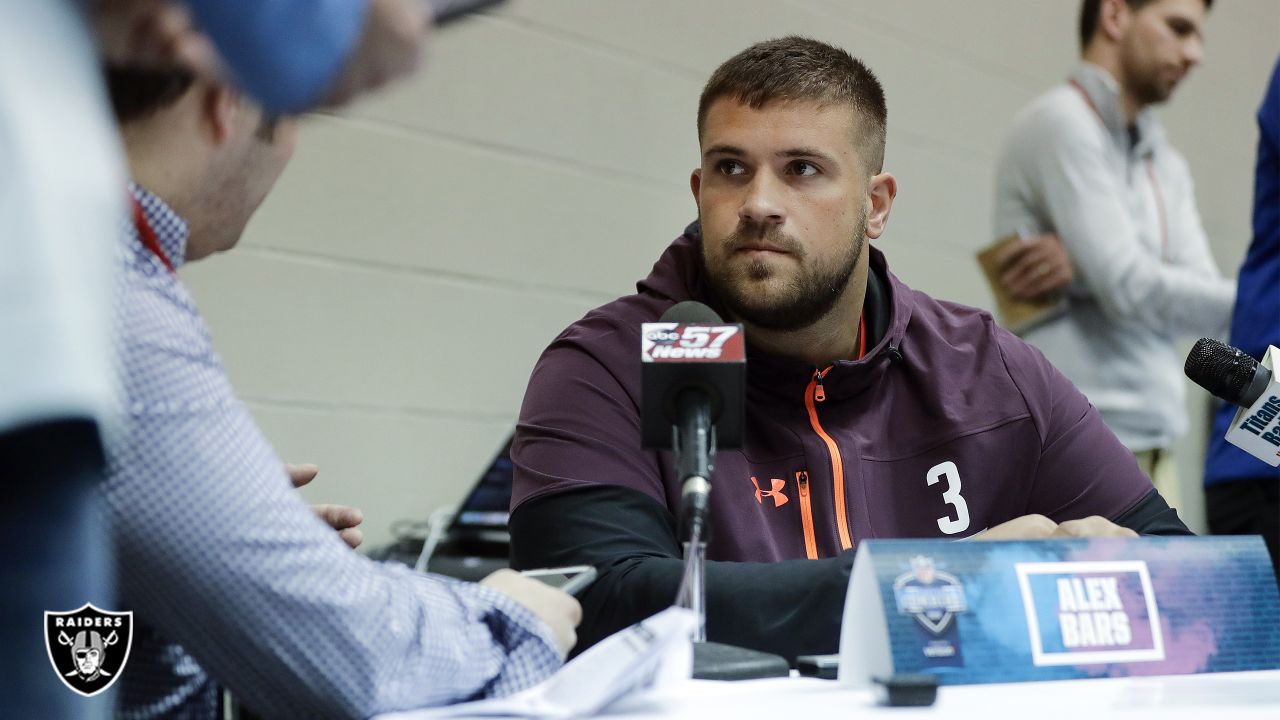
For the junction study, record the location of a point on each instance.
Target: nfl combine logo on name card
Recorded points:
(934, 598)
(88, 647)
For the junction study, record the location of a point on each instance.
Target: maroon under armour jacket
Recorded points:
(947, 426)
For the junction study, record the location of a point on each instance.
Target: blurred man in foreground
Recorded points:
(62, 193)
(232, 579)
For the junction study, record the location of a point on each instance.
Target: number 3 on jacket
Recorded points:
(951, 495)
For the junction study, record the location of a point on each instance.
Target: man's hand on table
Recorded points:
(560, 611)
(1039, 527)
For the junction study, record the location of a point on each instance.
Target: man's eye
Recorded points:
(730, 167)
(803, 168)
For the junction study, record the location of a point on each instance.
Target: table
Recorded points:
(1230, 696)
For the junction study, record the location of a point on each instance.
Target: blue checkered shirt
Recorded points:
(235, 582)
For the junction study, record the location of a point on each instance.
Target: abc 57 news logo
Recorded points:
(675, 342)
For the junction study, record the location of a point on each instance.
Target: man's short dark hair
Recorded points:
(138, 93)
(797, 68)
(1090, 10)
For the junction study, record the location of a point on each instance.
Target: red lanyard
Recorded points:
(148, 235)
(1151, 173)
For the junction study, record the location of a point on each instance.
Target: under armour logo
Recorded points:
(776, 493)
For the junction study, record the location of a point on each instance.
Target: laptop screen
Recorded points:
(487, 506)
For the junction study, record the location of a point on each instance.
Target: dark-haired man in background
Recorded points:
(233, 581)
(1089, 162)
(872, 409)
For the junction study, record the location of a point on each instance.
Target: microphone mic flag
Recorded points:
(691, 349)
(1234, 376)
(1226, 372)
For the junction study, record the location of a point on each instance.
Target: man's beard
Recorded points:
(1147, 89)
(1144, 83)
(807, 298)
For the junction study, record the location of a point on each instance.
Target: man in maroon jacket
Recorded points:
(872, 409)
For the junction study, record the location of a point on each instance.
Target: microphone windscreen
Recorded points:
(1224, 371)
(691, 312)
(691, 348)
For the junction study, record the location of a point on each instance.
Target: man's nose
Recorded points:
(763, 201)
(1193, 51)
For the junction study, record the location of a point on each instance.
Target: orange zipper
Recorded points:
(806, 516)
(815, 394)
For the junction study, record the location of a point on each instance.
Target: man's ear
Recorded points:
(695, 185)
(881, 190)
(1113, 19)
(222, 107)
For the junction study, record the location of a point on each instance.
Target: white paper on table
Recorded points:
(651, 654)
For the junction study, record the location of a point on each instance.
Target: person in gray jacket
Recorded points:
(1088, 162)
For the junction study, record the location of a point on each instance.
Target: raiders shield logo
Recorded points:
(88, 647)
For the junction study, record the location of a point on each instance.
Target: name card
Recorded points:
(986, 612)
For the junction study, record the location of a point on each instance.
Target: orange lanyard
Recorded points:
(1151, 173)
(862, 334)
(147, 234)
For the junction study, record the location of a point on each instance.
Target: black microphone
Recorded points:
(693, 386)
(692, 392)
(1226, 372)
(1232, 375)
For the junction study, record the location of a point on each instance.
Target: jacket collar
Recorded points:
(1104, 94)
